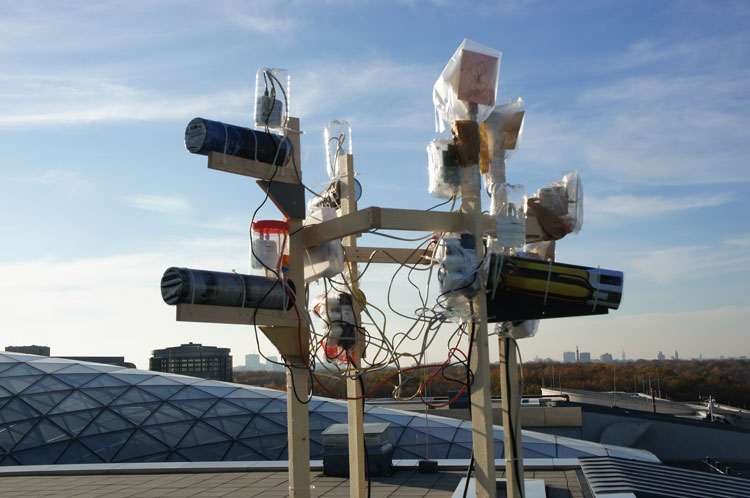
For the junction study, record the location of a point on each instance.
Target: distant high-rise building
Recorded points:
(37, 350)
(606, 358)
(196, 360)
(623, 356)
(661, 356)
(585, 357)
(569, 357)
(252, 362)
(578, 356)
(676, 355)
(273, 364)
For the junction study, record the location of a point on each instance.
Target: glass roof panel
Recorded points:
(43, 433)
(240, 452)
(107, 421)
(104, 394)
(162, 392)
(15, 410)
(74, 422)
(169, 434)
(20, 369)
(250, 404)
(134, 395)
(49, 365)
(161, 380)
(105, 381)
(195, 407)
(48, 384)
(8, 356)
(260, 425)
(224, 408)
(40, 454)
(192, 393)
(18, 384)
(207, 453)
(136, 413)
(78, 453)
(10, 434)
(132, 376)
(167, 413)
(139, 445)
(43, 402)
(106, 445)
(231, 426)
(201, 433)
(273, 446)
(76, 400)
(76, 379)
(255, 392)
(75, 368)
(216, 390)
(458, 451)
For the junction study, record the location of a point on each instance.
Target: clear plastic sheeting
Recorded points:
(458, 274)
(518, 330)
(337, 311)
(469, 78)
(505, 129)
(327, 259)
(338, 137)
(508, 205)
(543, 250)
(444, 171)
(564, 199)
(272, 92)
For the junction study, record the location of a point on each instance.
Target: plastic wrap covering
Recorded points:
(458, 273)
(470, 77)
(543, 250)
(183, 285)
(203, 136)
(272, 92)
(327, 259)
(504, 128)
(444, 171)
(337, 311)
(563, 199)
(338, 137)
(508, 205)
(518, 330)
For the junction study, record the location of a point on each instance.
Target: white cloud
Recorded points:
(158, 203)
(617, 207)
(68, 181)
(688, 263)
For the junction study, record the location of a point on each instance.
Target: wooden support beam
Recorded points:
(298, 439)
(251, 168)
(355, 406)
(389, 255)
(236, 316)
(511, 404)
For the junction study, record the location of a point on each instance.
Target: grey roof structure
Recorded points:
(59, 411)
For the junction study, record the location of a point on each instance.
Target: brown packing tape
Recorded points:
(484, 151)
(466, 138)
(551, 224)
(511, 131)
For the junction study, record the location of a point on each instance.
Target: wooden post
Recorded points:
(353, 386)
(511, 420)
(481, 399)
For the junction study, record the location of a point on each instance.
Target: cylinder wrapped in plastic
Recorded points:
(183, 285)
(563, 199)
(444, 171)
(203, 136)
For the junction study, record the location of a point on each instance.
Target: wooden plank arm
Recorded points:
(251, 168)
(236, 316)
(388, 255)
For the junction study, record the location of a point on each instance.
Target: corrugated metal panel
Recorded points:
(607, 475)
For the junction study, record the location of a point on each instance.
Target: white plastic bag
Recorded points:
(470, 77)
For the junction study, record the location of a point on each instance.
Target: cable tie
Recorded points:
(549, 277)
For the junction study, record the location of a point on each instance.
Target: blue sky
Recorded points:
(648, 100)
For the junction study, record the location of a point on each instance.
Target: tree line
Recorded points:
(727, 381)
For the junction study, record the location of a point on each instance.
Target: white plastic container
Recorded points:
(509, 206)
(270, 245)
(327, 259)
(272, 92)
